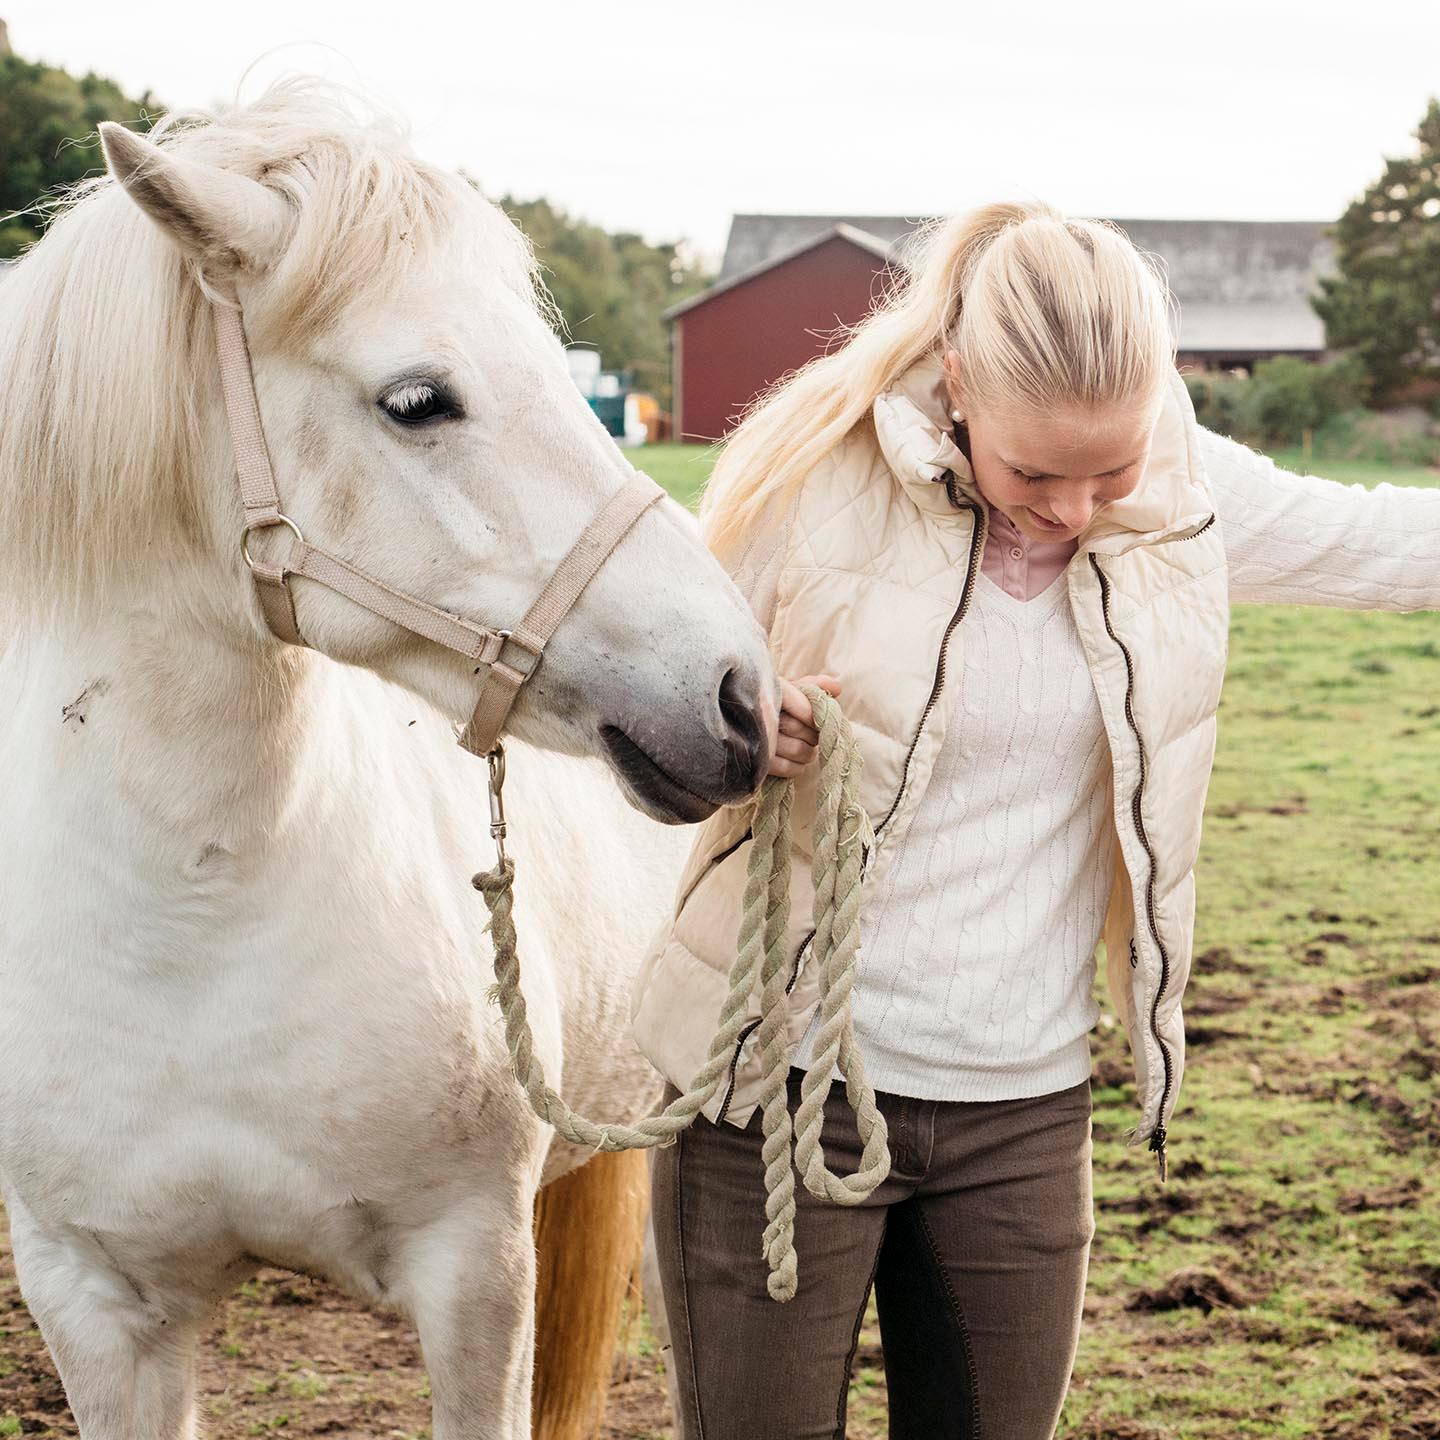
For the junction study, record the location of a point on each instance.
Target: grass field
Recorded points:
(681, 469)
(1286, 1282)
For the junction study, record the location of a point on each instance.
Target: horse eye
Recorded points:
(417, 401)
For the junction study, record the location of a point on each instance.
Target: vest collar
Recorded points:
(912, 426)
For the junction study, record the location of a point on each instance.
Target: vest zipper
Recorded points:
(748, 1029)
(1158, 1136)
(977, 545)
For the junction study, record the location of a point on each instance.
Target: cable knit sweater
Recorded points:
(979, 954)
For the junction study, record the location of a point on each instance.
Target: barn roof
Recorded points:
(756, 240)
(1242, 285)
(841, 229)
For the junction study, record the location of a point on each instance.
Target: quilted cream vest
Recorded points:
(876, 564)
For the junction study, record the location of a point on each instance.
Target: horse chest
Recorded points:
(255, 1074)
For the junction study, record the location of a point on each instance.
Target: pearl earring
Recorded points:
(956, 416)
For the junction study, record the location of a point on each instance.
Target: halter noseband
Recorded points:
(511, 656)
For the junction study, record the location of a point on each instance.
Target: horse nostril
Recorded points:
(745, 740)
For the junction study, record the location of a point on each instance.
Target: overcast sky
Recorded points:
(665, 116)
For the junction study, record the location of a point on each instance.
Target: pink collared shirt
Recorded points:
(1020, 566)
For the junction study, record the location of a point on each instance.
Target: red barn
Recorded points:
(760, 321)
(788, 281)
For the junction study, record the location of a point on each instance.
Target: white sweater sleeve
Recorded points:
(1300, 540)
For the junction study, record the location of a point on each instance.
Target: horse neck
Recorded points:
(205, 731)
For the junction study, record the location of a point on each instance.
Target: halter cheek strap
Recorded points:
(510, 656)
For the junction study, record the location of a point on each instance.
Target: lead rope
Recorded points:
(842, 831)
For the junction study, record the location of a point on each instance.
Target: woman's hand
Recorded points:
(797, 742)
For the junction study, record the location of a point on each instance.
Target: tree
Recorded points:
(612, 289)
(46, 116)
(1384, 304)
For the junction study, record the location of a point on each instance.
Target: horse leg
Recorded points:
(126, 1359)
(469, 1278)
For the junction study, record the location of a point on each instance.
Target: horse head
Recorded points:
(420, 422)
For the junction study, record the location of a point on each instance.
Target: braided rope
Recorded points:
(841, 833)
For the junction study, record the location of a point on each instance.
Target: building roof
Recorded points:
(755, 240)
(1242, 285)
(840, 230)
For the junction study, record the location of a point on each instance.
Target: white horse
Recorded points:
(243, 975)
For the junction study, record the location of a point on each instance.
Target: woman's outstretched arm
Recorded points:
(1300, 540)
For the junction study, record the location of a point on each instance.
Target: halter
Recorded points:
(510, 656)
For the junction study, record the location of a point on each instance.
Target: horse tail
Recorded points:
(589, 1234)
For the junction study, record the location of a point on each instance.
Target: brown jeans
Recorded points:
(976, 1246)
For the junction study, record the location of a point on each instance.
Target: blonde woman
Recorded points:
(991, 522)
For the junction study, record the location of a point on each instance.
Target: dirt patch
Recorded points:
(1111, 1074)
(1388, 1197)
(1120, 1430)
(1407, 1124)
(1291, 805)
(1216, 1003)
(1332, 1002)
(1201, 1035)
(1262, 1218)
(290, 1355)
(1406, 1406)
(1193, 1288)
(1420, 1063)
(1419, 975)
(1217, 960)
(1169, 1201)
(1412, 1323)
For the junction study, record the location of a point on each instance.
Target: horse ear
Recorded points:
(211, 214)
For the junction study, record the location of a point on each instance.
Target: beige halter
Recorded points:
(510, 655)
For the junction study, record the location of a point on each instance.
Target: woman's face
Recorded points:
(1050, 473)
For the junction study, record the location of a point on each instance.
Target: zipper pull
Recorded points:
(1157, 1144)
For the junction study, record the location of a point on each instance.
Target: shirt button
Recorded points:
(1016, 553)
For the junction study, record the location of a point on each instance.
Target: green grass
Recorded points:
(1304, 1148)
(681, 469)
(1362, 472)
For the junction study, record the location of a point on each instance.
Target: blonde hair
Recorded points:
(1044, 311)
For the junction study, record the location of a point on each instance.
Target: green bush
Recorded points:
(1287, 396)
(1364, 435)
(1281, 401)
(1219, 402)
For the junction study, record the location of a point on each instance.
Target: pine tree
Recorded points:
(1384, 303)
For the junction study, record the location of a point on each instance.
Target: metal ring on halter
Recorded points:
(277, 520)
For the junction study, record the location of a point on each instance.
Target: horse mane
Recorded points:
(109, 401)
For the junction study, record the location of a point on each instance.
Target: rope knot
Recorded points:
(492, 884)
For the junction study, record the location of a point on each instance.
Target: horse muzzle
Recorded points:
(684, 778)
